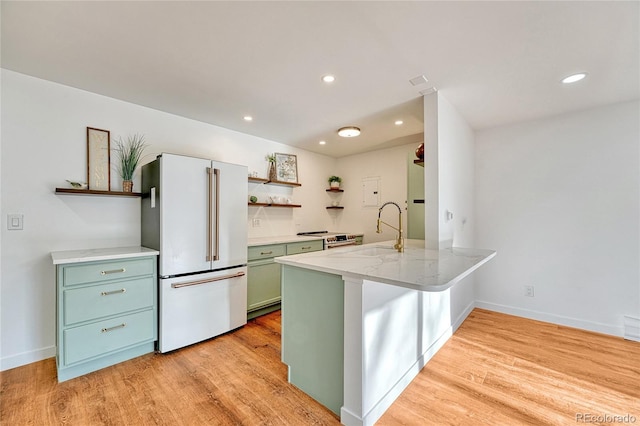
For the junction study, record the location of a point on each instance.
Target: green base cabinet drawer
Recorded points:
(304, 247)
(266, 252)
(96, 272)
(88, 303)
(88, 341)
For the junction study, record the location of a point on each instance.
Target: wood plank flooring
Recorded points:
(495, 370)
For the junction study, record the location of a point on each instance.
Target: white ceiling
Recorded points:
(496, 62)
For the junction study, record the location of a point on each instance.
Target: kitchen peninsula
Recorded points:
(358, 323)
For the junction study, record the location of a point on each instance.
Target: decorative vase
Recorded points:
(420, 151)
(127, 186)
(335, 185)
(272, 172)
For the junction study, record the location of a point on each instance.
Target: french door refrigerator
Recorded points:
(194, 212)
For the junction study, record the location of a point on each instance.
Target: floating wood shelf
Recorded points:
(335, 207)
(72, 191)
(419, 162)
(273, 182)
(274, 205)
(335, 190)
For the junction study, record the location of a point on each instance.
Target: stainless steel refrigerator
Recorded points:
(194, 211)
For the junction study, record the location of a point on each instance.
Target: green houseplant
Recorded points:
(334, 181)
(129, 153)
(271, 158)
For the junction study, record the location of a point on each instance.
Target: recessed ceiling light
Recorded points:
(574, 77)
(428, 91)
(399, 122)
(322, 142)
(349, 131)
(248, 118)
(328, 78)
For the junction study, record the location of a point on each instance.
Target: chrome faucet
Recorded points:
(399, 245)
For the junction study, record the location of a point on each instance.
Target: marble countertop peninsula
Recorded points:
(417, 268)
(89, 255)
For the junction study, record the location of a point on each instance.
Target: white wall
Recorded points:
(390, 165)
(44, 143)
(559, 200)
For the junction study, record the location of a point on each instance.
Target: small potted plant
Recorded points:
(271, 158)
(334, 182)
(129, 153)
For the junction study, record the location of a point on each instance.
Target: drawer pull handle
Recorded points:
(107, 293)
(266, 252)
(305, 248)
(113, 271)
(206, 281)
(106, 330)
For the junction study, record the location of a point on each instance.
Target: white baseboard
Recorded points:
(632, 328)
(554, 319)
(25, 358)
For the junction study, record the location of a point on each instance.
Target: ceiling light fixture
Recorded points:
(574, 77)
(328, 78)
(349, 131)
(322, 142)
(399, 122)
(248, 118)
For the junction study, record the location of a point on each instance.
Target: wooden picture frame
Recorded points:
(98, 159)
(286, 167)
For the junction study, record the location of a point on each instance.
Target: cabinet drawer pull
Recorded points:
(266, 252)
(305, 248)
(107, 293)
(106, 330)
(113, 271)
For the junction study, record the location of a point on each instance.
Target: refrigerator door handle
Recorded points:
(216, 249)
(209, 280)
(213, 215)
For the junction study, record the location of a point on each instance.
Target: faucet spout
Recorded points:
(399, 245)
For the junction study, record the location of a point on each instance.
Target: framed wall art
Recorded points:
(98, 159)
(287, 167)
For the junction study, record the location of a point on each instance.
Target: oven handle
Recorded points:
(342, 245)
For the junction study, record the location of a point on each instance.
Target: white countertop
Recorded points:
(89, 255)
(281, 239)
(417, 268)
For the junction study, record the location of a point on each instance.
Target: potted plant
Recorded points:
(271, 158)
(129, 153)
(334, 182)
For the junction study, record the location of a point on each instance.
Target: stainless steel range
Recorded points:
(336, 239)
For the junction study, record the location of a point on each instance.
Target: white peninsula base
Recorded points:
(355, 336)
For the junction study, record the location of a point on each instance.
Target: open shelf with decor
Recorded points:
(72, 191)
(335, 207)
(273, 182)
(274, 205)
(335, 190)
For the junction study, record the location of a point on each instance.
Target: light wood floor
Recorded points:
(496, 370)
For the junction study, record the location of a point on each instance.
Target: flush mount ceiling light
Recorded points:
(349, 131)
(428, 91)
(328, 78)
(322, 142)
(398, 122)
(574, 77)
(248, 118)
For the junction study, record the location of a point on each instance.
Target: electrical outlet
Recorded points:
(528, 290)
(255, 223)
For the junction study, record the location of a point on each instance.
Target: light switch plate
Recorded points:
(15, 222)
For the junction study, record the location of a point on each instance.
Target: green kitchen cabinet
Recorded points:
(263, 274)
(106, 313)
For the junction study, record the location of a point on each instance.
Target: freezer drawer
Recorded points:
(197, 307)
